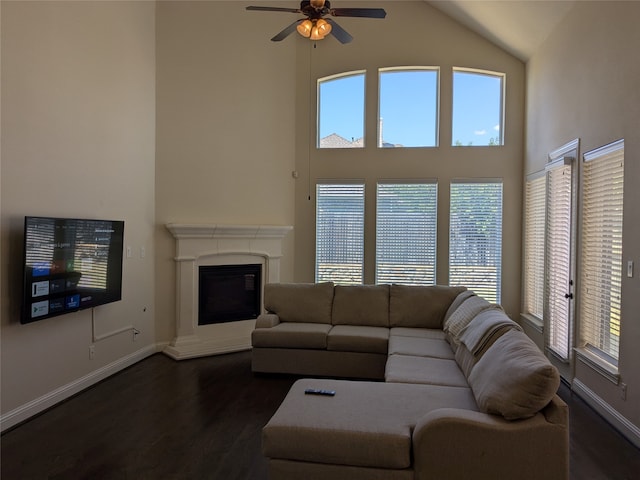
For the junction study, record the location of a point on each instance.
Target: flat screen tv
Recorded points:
(70, 264)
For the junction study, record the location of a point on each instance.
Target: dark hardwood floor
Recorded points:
(201, 419)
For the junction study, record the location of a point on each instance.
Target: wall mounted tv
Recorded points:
(70, 264)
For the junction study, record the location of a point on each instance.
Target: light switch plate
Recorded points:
(630, 268)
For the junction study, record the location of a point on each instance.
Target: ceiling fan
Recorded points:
(316, 26)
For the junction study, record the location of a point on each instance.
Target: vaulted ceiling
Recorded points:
(518, 26)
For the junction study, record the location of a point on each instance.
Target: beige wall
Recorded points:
(414, 34)
(78, 111)
(225, 128)
(584, 83)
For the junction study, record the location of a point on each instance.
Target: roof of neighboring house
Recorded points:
(336, 141)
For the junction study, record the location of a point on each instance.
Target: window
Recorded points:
(340, 233)
(477, 107)
(534, 218)
(601, 252)
(475, 237)
(341, 111)
(408, 107)
(406, 219)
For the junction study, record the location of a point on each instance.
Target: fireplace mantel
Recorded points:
(211, 244)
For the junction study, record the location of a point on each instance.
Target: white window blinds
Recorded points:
(534, 246)
(558, 256)
(340, 233)
(601, 251)
(475, 237)
(406, 220)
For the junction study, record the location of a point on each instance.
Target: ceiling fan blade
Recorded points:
(286, 32)
(340, 33)
(359, 12)
(274, 9)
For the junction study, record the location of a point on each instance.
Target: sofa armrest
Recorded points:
(461, 444)
(267, 320)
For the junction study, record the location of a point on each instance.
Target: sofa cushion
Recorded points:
(300, 302)
(417, 332)
(513, 378)
(357, 338)
(424, 370)
(366, 305)
(420, 306)
(362, 425)
(292, 335)
(420, 347)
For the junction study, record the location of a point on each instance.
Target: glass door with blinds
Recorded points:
(560, 257)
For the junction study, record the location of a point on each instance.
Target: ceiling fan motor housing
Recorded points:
(315, 9)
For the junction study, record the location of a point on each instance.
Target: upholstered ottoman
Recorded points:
(368, 425)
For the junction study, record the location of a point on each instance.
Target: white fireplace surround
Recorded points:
(205, 245)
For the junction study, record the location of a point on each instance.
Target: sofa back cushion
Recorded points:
(420, 306)
(300, 302)
(513, 378)
(366, 305)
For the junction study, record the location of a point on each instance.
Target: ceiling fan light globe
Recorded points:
(324, 27)
(304, 28)
(316, 34)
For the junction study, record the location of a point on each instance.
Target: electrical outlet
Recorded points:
(92, 352)
(623, 391)
(136, 332)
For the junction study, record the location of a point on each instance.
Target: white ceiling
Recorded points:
(518, 26)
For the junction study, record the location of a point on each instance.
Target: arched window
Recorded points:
(478, 108)
(341, 111)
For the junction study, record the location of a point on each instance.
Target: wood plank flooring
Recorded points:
(201, 419)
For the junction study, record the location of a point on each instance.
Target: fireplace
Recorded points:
(228, 293)
(205, 246)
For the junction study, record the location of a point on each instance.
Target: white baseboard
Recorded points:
(26, 411)
(620, 423)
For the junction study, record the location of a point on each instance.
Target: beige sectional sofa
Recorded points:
(465, 394)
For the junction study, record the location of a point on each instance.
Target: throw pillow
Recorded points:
(459, 319)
